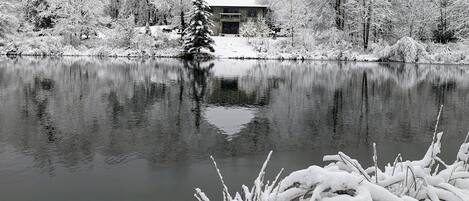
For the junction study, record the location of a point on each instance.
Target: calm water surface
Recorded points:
(85, 129)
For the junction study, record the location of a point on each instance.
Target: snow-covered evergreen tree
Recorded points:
(197, 34)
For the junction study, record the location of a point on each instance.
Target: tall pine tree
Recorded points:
(197, 34)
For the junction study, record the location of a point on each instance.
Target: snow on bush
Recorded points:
(39, 46)
(255, 28)
(405, 50)
(457, 53)
(345, 179)
(122, 34)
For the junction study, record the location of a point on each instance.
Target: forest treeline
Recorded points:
(341, 24)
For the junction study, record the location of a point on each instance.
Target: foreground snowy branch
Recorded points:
(345, 179)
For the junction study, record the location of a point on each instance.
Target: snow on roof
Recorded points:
(235, 3)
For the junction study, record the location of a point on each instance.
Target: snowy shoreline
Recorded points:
(241, 48)
(222, 58)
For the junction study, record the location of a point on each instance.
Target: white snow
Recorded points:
(233, 47)
(235, 3)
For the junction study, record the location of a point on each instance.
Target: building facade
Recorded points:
(229, 15)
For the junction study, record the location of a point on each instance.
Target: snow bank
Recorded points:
(345, 179)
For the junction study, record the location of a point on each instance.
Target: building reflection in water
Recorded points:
(229, 120)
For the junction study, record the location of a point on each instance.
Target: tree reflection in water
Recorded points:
(67, 111)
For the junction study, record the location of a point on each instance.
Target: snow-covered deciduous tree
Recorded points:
(77, 20)
(459, 16)
(8, 21)
(39, 12)
(382, 19)
(248, 29)
(293, 16)
(153, 12)
(198, 33)
(255, 28)
(113, 8)
(452, 21)
(162, 10)
(368, 20)
(414, 18)
(179, 13)
(324, 17)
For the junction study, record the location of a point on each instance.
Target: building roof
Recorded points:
(235, 3)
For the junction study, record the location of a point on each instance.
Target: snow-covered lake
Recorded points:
(118, 129)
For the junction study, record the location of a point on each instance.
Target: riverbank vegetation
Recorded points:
(85, 27)
(355, 30)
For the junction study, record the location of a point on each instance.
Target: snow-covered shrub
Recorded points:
(122, 33)
(345, 179)
(248, 29)
(333, 38)
(377, 47)
(449, 53)
(255, 28)
(405, 50)
(40, 46)
(260, 44)
(69, 38)
(409, 50)
(382, 50)
(142, 41)
(165, 40)
(159, 40)
(70, 51)
(101, 51)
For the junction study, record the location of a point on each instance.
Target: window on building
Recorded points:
(230, 10)
(252, 12)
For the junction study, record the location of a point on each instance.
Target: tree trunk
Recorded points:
(291, 21)
(339, 17)
(183, 23)
(367, 23)
(411, 29)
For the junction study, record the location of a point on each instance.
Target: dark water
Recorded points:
(80, 129)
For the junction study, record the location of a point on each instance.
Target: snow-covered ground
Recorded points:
(233, 47)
